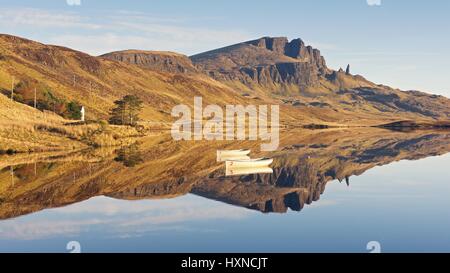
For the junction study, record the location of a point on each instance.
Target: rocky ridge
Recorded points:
(155, 60)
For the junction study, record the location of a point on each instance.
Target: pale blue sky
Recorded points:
(402, 43)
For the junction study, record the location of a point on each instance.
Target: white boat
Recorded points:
(233, 158)
(233, 152)
(251, 163)
(224, 155)
(245, 171)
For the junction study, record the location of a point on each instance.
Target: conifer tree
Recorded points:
(126, 111)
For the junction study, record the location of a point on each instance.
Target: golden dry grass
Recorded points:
(25, 129)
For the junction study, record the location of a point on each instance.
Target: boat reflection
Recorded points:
(230, 171)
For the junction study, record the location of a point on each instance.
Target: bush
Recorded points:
(24, 92)
(74, 110)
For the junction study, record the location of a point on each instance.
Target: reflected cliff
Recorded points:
(161, 168)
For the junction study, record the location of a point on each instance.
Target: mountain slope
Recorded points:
(270, 61)
(299, 74)
(291, 75)
(97, 82)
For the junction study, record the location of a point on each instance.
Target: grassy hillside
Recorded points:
(64, 78)
(25, 129)
(96, 82)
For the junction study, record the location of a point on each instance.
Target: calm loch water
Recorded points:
(336, 194)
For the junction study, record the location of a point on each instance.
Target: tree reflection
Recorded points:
(130, 156)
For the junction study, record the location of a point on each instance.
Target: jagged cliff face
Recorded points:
(295, 49)
(265, 61)
(289, 187)
(155, 60)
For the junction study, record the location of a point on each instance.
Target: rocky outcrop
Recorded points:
(256, 196)
(159, 189)
(265, 61)
(155, 60)
(295, 49)
(292, 69)
(295, 73)
(286, 188)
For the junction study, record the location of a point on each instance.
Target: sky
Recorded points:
(400, 43)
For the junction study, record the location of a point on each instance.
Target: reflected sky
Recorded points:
(403, 205)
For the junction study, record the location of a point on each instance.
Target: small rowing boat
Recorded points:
(245, 171)
(224, 155)
(233, 158)
(250, 163)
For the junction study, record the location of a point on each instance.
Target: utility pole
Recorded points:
(12, 88)
(35, 104)
(74, 79)
(11, 169)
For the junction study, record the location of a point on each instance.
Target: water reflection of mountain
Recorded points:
(305, 163)
(288, 187)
